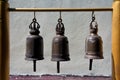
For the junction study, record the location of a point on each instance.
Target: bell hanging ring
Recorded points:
(60, 46)
(34, 44)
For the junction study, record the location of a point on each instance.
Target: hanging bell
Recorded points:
(34, 44)
(60, 46)
(93, 45)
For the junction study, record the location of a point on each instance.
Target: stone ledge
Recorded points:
(58, 77)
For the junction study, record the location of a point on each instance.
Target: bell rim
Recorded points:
(60, 59)
(32, 59)
(93, 57)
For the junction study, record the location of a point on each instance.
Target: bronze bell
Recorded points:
(34, 44)
(93, 43)
(60, 46)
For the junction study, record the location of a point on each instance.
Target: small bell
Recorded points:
(34, 44)
(60, 46)
(93, 44)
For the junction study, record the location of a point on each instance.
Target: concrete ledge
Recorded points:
(57, 77)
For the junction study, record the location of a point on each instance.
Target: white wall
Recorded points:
(77, 29)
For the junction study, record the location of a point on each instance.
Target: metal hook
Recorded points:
(60, 15)
(34, 15)
(93, 23)
(93, 16)
(34, 24)
(60, 19)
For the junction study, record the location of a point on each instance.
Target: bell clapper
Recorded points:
(34, 65)
(90, 65)
(58, 66)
